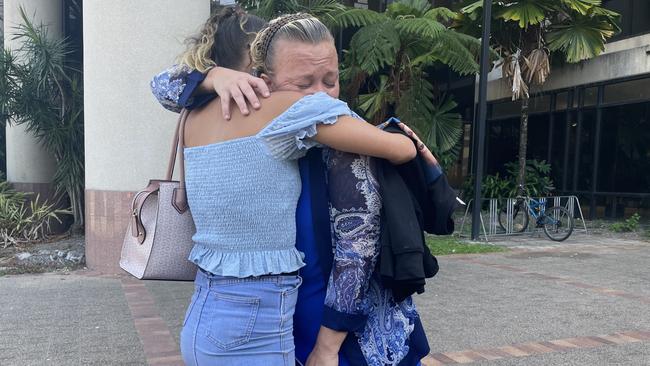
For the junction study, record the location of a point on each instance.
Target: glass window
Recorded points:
(625, 149)
(502, 144)
(506, 109)
(569, 147)
(633, 90)
(538, 137)
(586, 148)
(540, 103)
(561, 101)
(557, 149)
(590, 96)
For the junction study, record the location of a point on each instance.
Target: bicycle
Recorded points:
(556, 221)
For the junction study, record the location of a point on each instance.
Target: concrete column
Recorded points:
(127, 133)
(29, 166)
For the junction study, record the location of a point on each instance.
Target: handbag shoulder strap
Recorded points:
(175, 142)
(179, 198)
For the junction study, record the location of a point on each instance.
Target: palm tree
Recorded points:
(385, 70)
(526, 33)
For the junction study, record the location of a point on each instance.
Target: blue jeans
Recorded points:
(240, 321)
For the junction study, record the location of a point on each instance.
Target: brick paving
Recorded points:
(160, 348)
(535, 348)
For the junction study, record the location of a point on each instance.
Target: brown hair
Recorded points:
(224, 40)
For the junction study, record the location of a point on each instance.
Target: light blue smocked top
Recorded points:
(243, 192)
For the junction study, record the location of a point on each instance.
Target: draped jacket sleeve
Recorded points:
(355, 206)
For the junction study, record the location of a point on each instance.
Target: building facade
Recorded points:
(590, 121)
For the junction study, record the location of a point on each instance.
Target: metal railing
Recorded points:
(494, 228)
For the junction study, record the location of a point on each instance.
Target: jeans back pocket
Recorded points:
(229, 319)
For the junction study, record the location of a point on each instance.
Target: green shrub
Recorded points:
(22, 223)
(630, 224)
(538, 181)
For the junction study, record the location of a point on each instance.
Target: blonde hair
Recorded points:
(299, 27)
(202, 52)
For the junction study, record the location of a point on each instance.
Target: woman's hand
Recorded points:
(422, 148)
(326, 349)
(240, 86)
(318, 357)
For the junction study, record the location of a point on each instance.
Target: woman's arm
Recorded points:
(350, 135)
(355, 208)
(169, 86)
(181, 87)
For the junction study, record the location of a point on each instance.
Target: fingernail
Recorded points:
(245, 111)
(256, 105)
(267, 94)
(227, 116)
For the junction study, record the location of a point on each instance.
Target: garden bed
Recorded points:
(59, 254)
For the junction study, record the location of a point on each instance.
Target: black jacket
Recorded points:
(411, 206)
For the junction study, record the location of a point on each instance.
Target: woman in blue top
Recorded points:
(243, 185)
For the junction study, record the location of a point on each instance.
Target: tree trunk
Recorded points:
(523, 143)
(76, 205)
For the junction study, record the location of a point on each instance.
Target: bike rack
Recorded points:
(495, 230)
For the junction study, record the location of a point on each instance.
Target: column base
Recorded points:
(107, 218)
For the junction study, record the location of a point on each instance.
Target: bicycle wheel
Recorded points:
(519, 218)
(558, 223)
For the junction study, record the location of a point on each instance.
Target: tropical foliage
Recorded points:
(539, 182)
(44, 93)
(526, 33)
(386, 69)
(325, 10)
(21, 222)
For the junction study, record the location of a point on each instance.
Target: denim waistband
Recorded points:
(207, 279)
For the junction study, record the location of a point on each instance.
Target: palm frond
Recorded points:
(472, 8)
(325, 10)
(441, 14)
(581, 6)
(445, 128)
(525, 12)
(416, 101)
(375, 46)
(373, 105)
(423, 28)
(580, 38)
(451, 51)
(358, 18)
(408, 7)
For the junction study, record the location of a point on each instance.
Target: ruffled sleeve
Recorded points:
(290, 135)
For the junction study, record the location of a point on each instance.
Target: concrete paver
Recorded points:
(66, 320)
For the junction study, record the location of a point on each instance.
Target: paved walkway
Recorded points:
(585, 302)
